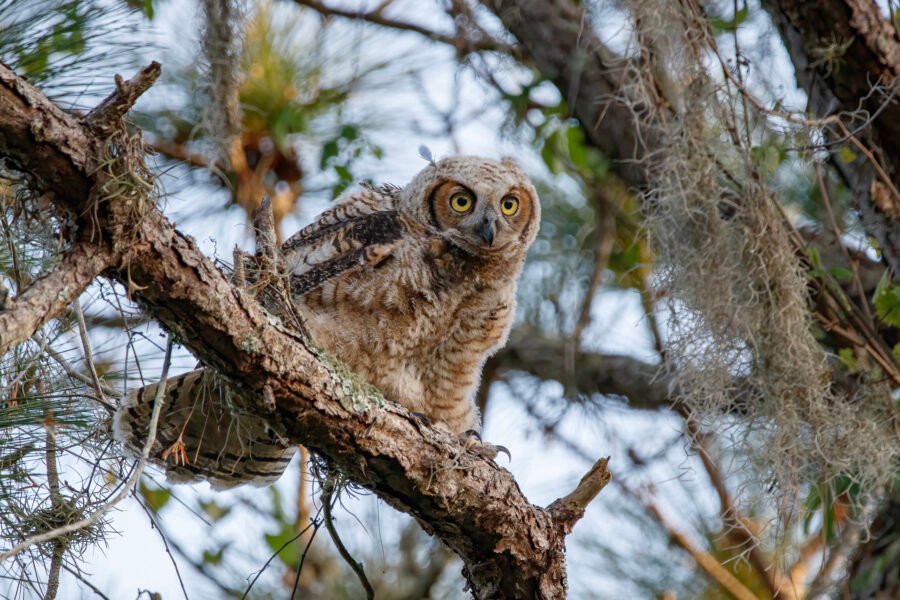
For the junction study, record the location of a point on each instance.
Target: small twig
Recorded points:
(313, 523)
(872, 160)
(82, 579)
(836, 556)
(108, 113)
(59, 545)
(730, 515)
(88, 351)
(88, 381)
(832, 220)
(357, 567)
(126, 489)
(606, 237)
(568, 510)
(198, 566)
(165, 542)
(266, 237)
(303, 558)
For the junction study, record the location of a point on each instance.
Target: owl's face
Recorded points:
(484, 206)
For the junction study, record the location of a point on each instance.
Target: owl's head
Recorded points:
(482, 205)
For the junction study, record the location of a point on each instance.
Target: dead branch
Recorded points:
(569, 509)
(107, 115)
(643, 384)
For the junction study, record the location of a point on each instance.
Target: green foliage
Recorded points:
(728, 25)
(144, 6)
(768, 158)
(214, 510)
(156, 498)
(341, 153)
(61, 44)
(565, 150)
(887, 301)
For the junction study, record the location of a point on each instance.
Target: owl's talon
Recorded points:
(471, 433)
(505, 451)
(471, 441)
(422, 417)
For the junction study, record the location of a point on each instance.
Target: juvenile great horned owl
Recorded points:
(413, 288)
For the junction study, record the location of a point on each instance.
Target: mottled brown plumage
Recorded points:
(413, 288)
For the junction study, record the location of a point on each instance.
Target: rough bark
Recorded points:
(871, 58)
(51, 294)
(510, 548)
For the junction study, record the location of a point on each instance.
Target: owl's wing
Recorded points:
(363, 229)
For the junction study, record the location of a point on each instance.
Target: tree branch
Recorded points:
(643, 384)
(864, 77)
(558, 37)
(375, 17)
(48, 296)
(510, 548)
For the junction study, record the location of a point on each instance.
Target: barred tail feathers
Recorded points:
(202, 433)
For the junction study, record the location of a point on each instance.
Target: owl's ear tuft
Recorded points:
(425, 153)
(510, 163)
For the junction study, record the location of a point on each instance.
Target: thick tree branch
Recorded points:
(863, 74)
(510, 548)
(557, 35)
(643, 384)
(48, 296)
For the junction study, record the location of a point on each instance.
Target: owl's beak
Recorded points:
(487, 231)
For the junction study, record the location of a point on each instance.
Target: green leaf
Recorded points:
(339, 189)
(846, 155)
(290, 554)
(575, 145)
(156, 498)
(848, 358)
(215, 511)
(329, 151)
(887, 301)
(213, 558)
(841, 274)
(343, 172)
(720, 25)
(768, 158)
(145, 6)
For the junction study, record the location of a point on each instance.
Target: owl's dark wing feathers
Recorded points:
(361, 231)
(365, 240)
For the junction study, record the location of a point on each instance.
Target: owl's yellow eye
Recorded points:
(462, 202)
(509, 206)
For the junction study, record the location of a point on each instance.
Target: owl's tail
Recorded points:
(202, 433)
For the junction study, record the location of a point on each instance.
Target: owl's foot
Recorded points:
(471, 441)
(177, 451)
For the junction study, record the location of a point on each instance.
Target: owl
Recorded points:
(412, 288)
